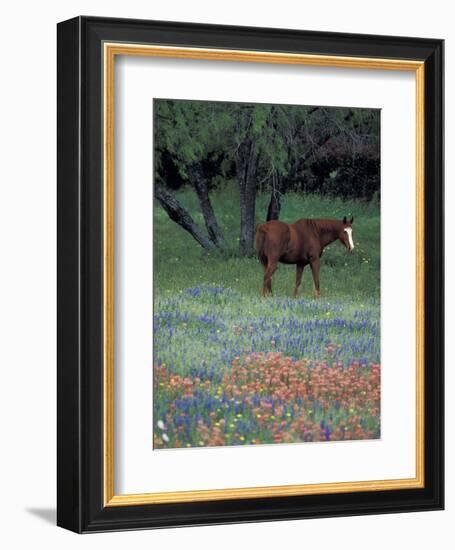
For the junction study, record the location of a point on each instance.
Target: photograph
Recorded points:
(267, 273)
(250, 282)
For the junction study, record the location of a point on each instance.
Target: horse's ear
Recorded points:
(352, 219)
(344, 220)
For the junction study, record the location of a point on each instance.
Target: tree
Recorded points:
(248, 142)
(181, 216)
(300, 135)
(188, 130)
(272, 148)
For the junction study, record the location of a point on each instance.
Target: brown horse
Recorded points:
(299, 243)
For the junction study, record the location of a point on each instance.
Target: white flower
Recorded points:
(161, 425)
(165, 438)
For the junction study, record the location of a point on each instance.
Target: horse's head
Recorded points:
(345, 235)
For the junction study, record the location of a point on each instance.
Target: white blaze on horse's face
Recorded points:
(349, 233)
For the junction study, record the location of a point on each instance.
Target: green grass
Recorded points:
(209, 314)
(181, 263)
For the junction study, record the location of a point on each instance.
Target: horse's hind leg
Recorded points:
(269, 271)
(263, 260)
(298, 279)
(315, 266)
(264, 285)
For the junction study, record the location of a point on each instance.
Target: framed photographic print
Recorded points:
(250, 274)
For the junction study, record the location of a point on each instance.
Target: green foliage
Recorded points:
(189, 131)
(326, 150)
(348, 177)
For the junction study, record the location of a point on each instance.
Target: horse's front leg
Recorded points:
(315, 267)
(298, 279)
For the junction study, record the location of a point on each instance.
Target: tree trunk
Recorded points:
(246, 163)
(211, 224)
(273, 211)
(181, 216)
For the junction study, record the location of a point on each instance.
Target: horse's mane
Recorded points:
(323, 225)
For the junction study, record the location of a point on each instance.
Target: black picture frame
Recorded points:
(80, 476)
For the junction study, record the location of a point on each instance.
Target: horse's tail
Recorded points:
(260, 241)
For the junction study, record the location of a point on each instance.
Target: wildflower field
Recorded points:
(233, 368)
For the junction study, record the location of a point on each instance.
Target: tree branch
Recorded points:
(181, 216)
(213, 229)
